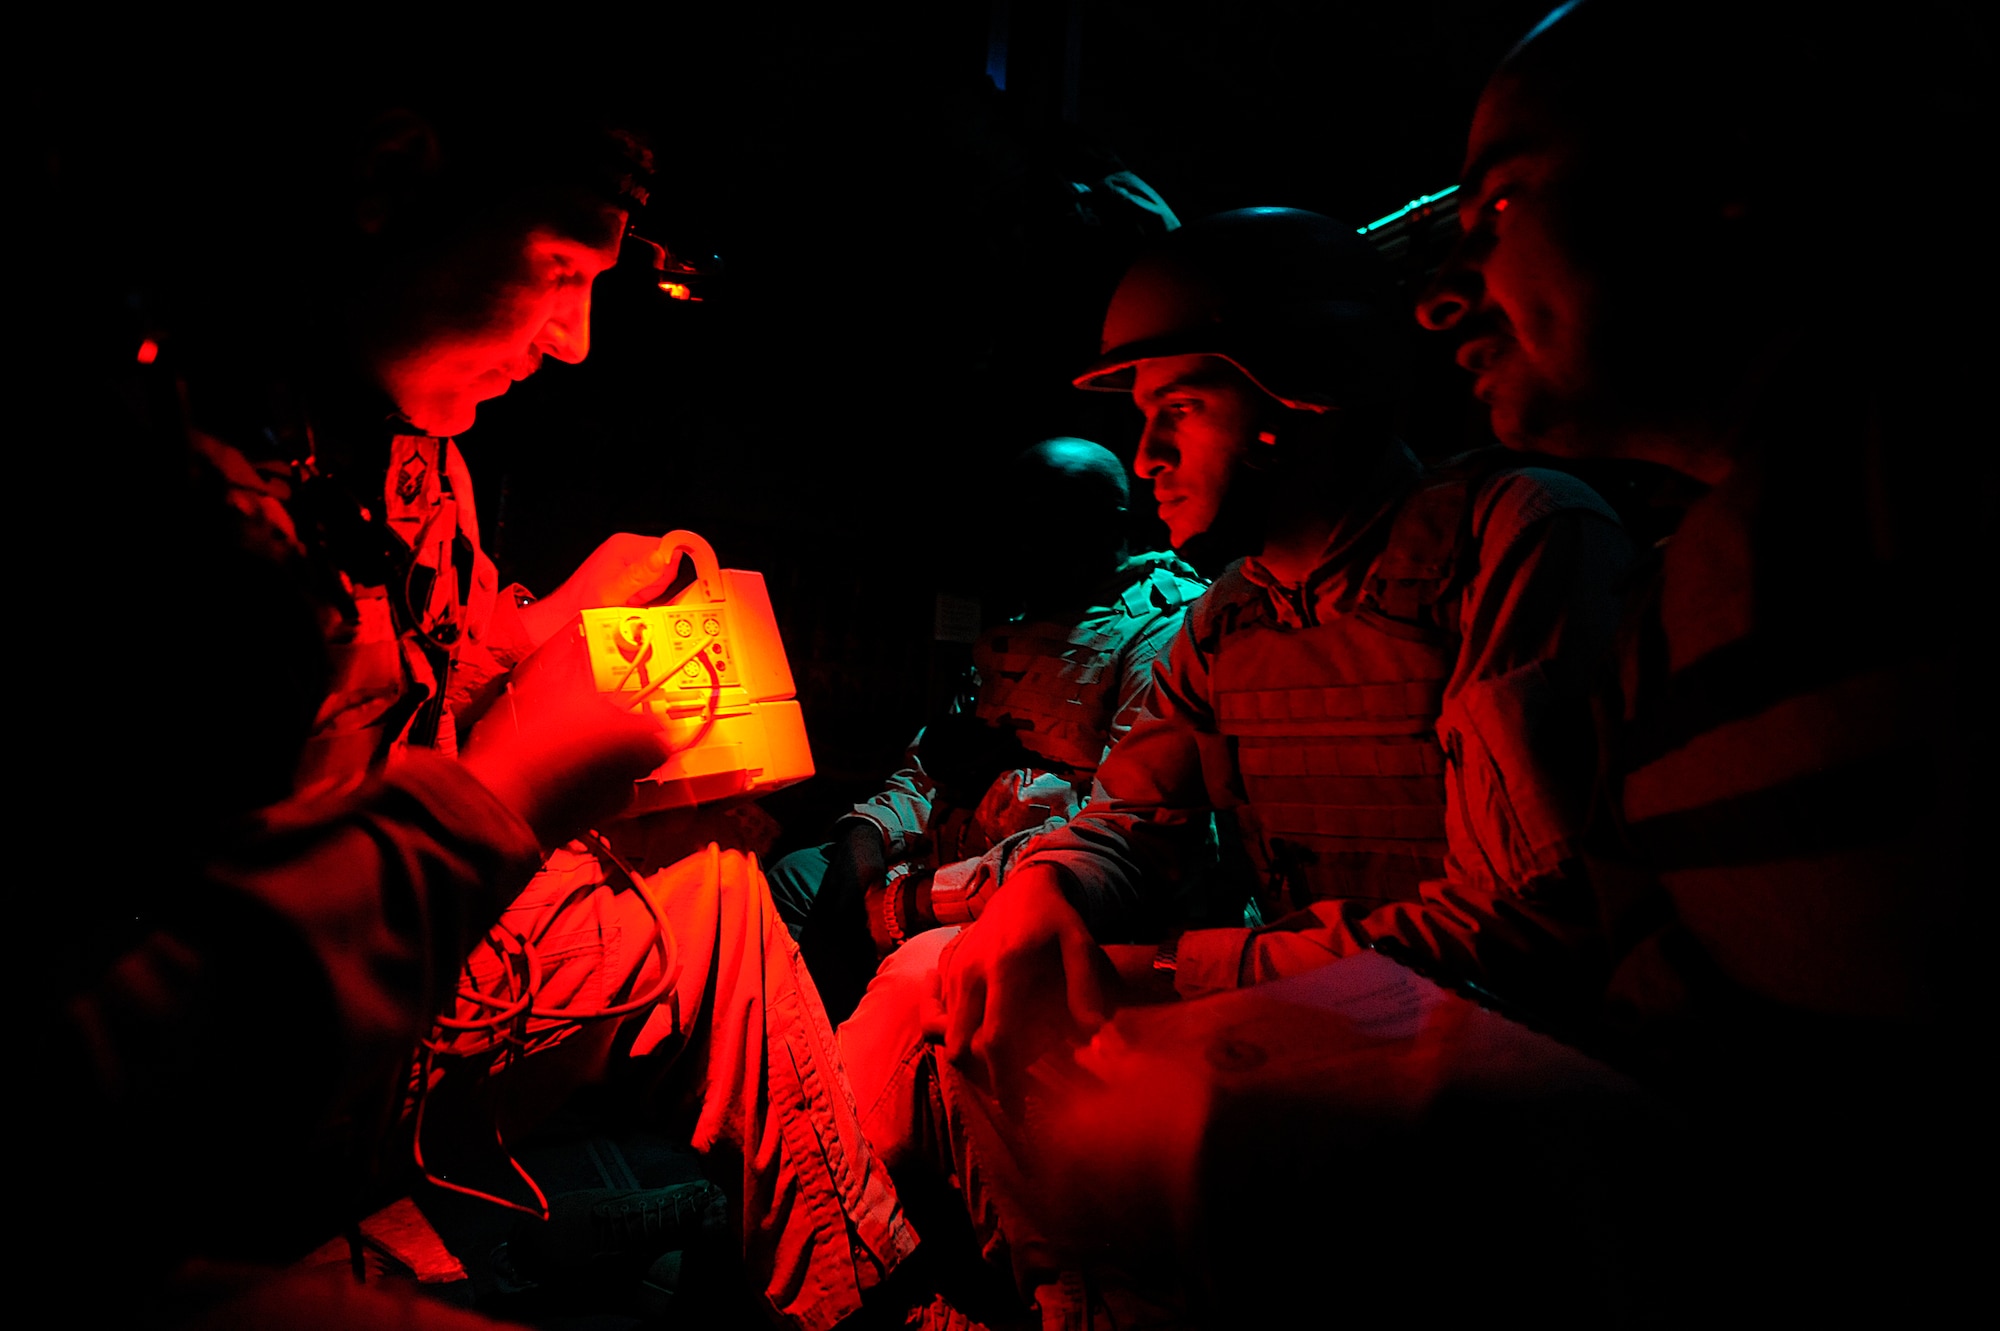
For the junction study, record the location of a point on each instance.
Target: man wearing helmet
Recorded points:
(1384, 690)
(1050, 689)
(1376, 688)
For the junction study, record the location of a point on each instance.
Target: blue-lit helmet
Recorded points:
(1298, 302)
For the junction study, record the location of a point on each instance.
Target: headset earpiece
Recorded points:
(1268, 451)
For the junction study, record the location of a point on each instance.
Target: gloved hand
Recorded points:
(626, 570)
(836, 944)
(555, 750)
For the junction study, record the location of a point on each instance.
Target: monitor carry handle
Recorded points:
(707, 573)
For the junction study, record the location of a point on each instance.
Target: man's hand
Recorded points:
(555, 750)
(625, 570)
(1020, 978)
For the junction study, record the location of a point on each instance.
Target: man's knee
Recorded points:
(918, 958)
(904, 986)
(883, 1043)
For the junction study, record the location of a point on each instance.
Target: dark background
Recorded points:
(907, 281)
(905, 293)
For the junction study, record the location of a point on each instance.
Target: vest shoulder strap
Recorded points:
(1424, 559)
(1226, 602)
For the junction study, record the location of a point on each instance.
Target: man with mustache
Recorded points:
(1784, 833)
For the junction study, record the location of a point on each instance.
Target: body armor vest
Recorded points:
(1334, 723)
(1056, 685)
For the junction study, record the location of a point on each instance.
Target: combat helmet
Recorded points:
(1298, 302)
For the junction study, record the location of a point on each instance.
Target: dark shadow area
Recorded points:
(913, 262)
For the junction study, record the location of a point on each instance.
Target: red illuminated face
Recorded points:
(484, 322)
(1529, 309)
(1201, 423)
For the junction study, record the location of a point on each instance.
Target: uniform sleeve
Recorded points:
(1512, 911)
(1124, 858)
(278, 994)
(390, 891)
(902, 808)
(1135, 670)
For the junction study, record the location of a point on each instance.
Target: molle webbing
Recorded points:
(1334, 723)
(1340, 709)
(1344, 783)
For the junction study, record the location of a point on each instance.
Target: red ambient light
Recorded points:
(149, 351)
